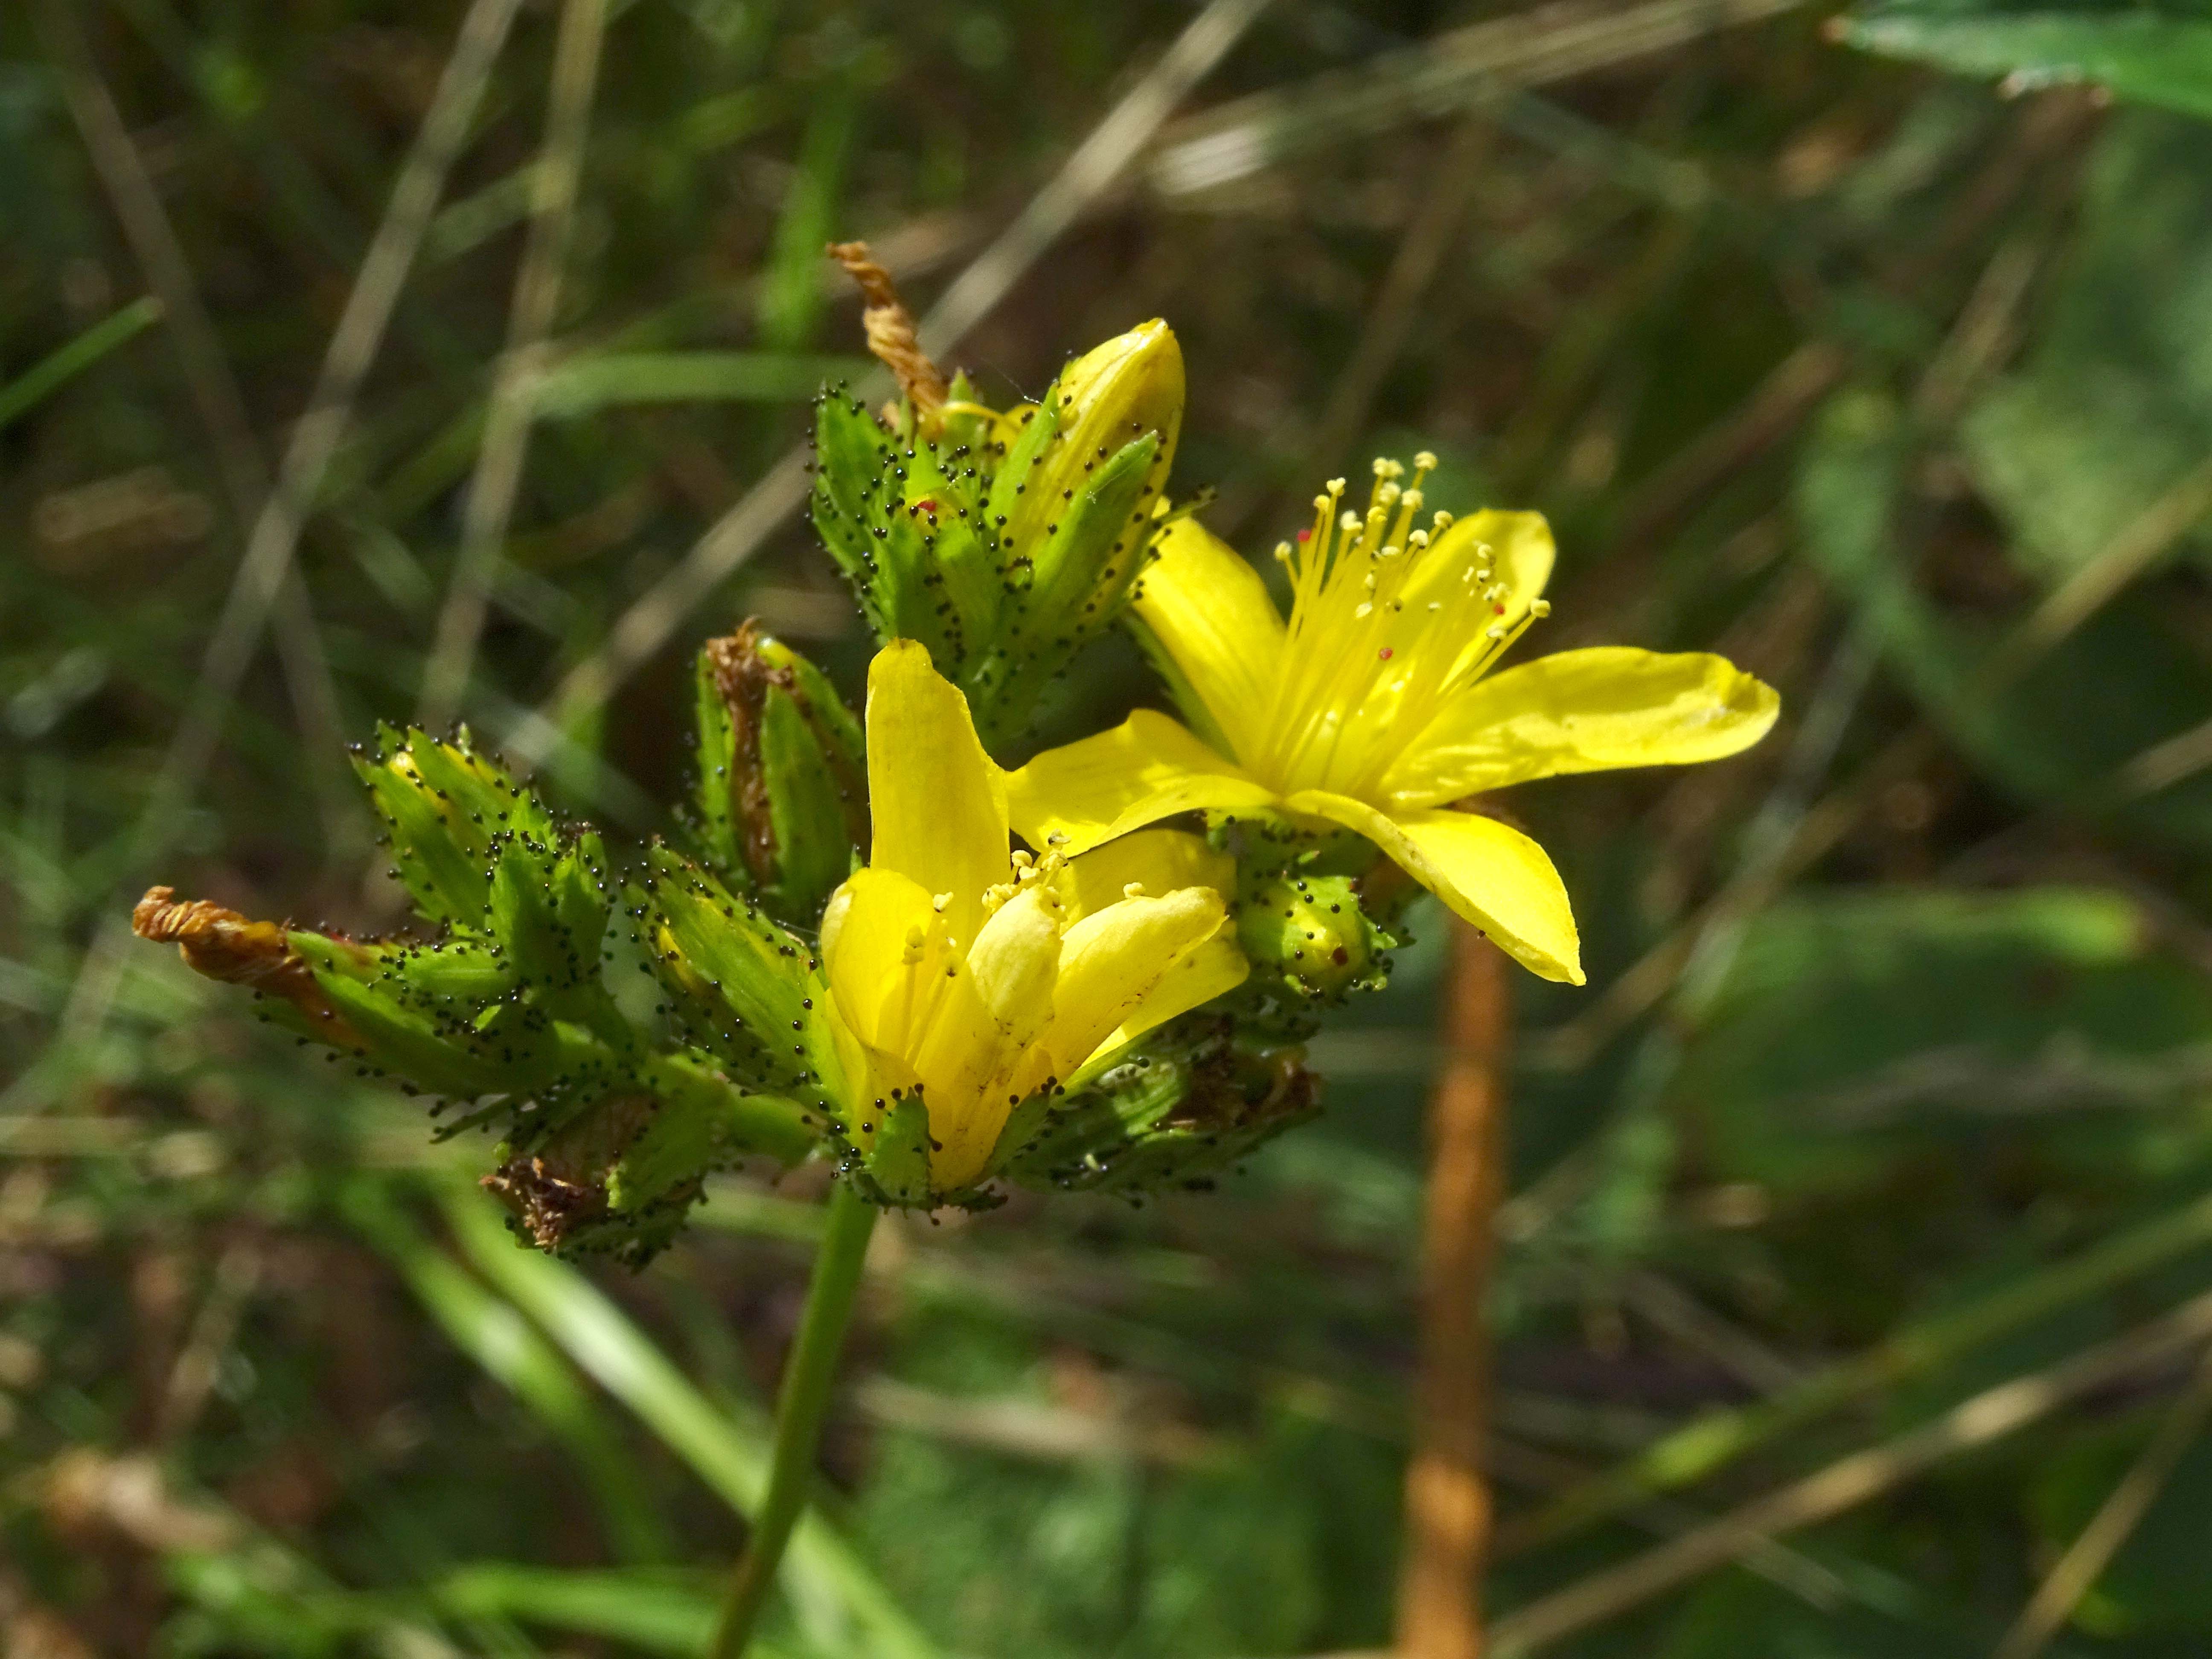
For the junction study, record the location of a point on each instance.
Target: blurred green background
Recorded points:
(1891, 1085)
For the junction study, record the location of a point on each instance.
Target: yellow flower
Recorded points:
(1375, 707)
(969, 977)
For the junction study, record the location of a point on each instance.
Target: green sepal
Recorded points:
(549, 912)
(1090, 555)
(943, 501)
(717, 823)
(1305, 919)
(1012, 514)
(442, 805)
(810, 796)
(740, 985)
(851, 506)
(1173, 1111)
(453, 974)
(1311, 931)
(897, 1163)
(412, 1045)
(701, 1123)
(1077, 585)
(964, 428)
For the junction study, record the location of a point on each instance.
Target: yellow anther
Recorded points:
(1132, 890)
(1539, 607)
(1425, 461)
(939, 903)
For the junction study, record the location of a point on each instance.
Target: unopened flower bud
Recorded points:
(782, 791)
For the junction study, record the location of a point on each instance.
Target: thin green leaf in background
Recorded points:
(2158, 55)
(43, 379)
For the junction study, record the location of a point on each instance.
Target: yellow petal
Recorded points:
(864, 934)
(1583, 711)
(1158, 860)
(1209, 613)
(1146, 768)
(1493, 876)
(1016, 959)
(1115, 959)
(1520, 558)
(1516, 548)
(939, 803)
(1210, 969)
(960, 1047)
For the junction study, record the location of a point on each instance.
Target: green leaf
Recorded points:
(2056, 731)
(1856, 1028)
(2156, 1584)
(2158, 55)
(662, 1613)
(49, 375)
(511, 1351)
(838, 1600)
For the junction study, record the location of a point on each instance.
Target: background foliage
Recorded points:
(1891, 1084)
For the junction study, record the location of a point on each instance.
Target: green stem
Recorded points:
(798, 1408)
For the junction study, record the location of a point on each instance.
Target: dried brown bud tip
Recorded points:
(223, 944)
(892, 334)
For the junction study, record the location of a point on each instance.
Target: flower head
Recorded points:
(964, 977)
(1375, 706)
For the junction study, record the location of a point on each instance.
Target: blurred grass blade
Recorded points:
(655, 1612)
(493, 1334)
(1693, 1453)
(1096, 164)
(49, 374)
(584, 386)
(832, 1591)
(1843, 1485)
(1464, 67)
(2146, 55)
(792, 298)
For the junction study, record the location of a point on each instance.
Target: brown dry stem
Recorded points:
(1449, 1516)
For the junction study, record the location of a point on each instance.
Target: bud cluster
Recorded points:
(505, 1008)
(1003, 541)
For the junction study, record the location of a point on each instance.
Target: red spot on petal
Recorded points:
(1383, 655)
(1500, 609)
(1305, 535)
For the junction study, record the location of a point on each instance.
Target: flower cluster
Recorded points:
(870, 943)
